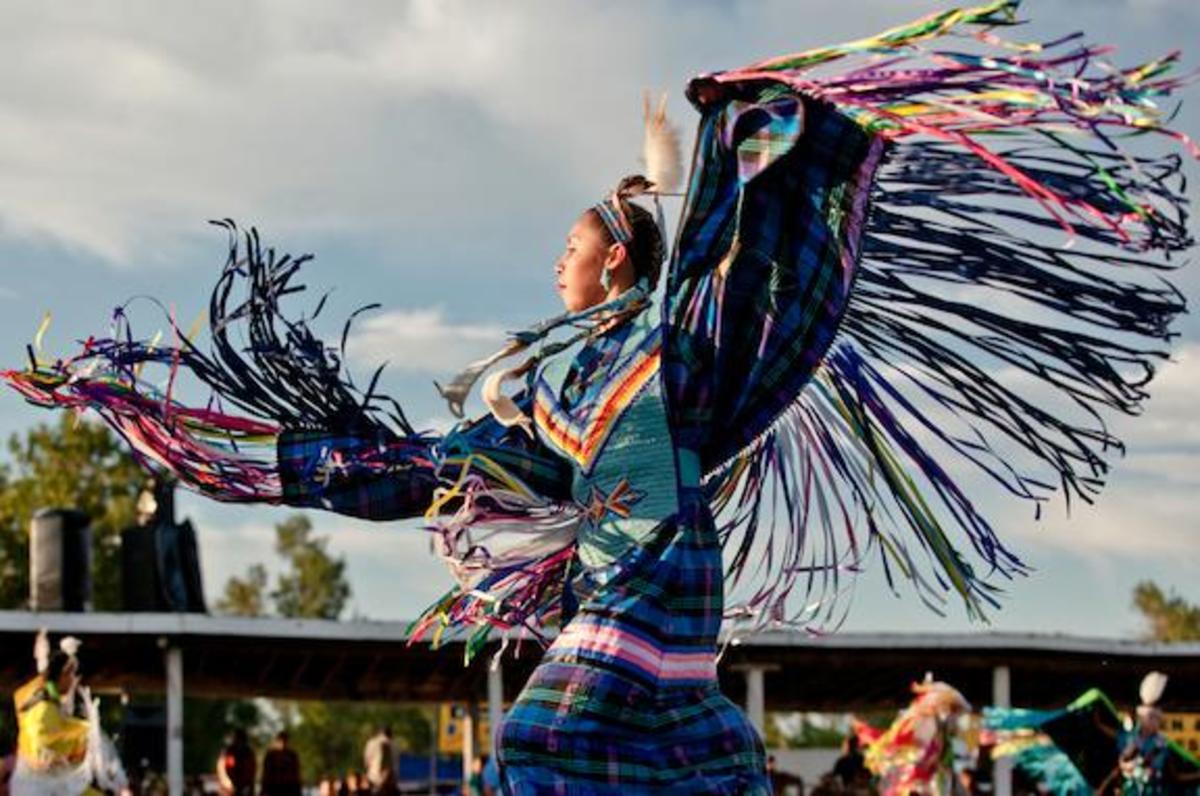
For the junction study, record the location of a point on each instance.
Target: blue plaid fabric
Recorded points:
(375, 477)
(590, 722)
(626, 699)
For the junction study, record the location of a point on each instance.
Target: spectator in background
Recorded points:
(237, 767)
(281, 768)
(379, 758)
(474, 784)
(982, 783)
(850, 768)
(491, 777)
(7, 763)
(354, 784)
(783, 783)
(145, 781)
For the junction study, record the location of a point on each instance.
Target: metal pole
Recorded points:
(756, 698)
(495, 702)
(1002, 698)
(174, 664)
(433, 749)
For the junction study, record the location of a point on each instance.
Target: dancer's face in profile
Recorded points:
(578, 269)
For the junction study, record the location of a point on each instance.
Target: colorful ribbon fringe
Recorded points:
(976, 337)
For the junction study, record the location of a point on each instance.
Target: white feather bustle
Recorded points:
(660, 147)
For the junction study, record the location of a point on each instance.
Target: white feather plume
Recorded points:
(660, 148)
(41, 650)
(1152, 688)
(69, 645)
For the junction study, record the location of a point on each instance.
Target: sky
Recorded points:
(432, 155)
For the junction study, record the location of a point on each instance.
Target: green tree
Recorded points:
(245, 596)
(314, 583)
(329, 736)
(805, 731)
(206, 721)
(69, 464)
(1168, 616)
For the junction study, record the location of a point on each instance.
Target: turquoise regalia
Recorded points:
(627, 692)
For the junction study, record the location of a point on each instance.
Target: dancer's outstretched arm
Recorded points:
(384, 477)
(284, 422)
(934, 261)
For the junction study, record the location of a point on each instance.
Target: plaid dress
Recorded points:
(626, 697)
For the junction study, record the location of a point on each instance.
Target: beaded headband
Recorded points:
(614, 219)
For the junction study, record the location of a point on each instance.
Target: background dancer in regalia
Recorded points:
(864, 261)
(1143, 749)
(61, 749)
(915, 754)
(1091, 747)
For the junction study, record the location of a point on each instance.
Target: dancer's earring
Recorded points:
(606, 279)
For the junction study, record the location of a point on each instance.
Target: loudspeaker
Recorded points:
(160, 565)
(139, 571)
(160, 569)
(60, 561)
(179, 566)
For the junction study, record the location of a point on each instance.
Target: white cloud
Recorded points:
(420, 340)
(1131, 519)
(229, 551)
(119, 136)
(1170, 418)
(439, 424)
(123, 126)
(1169, 469)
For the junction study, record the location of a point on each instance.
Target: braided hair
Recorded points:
(646, 249)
